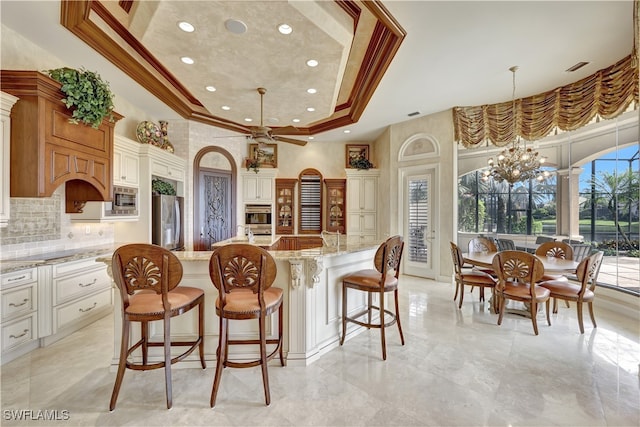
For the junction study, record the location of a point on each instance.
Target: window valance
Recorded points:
(606, 94)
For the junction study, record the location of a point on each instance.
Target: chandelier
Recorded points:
(517, 163)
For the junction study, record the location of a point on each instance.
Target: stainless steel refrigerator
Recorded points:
(167, 222)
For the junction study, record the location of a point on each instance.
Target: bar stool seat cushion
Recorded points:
(244, 301)
(369, 279)
(150, 303)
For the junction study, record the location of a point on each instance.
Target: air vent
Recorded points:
(576, 67)
(415, 113)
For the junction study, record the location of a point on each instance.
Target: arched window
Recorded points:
(527, 207)
(310, 197)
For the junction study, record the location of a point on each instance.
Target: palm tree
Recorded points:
(617, 190)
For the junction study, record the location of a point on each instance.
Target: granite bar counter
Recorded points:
(312, 284)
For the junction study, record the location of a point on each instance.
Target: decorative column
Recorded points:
(568, 202)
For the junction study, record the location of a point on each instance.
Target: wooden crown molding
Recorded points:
(146, 70)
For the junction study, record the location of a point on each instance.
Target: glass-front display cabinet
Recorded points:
(285, 190)
(336, 205)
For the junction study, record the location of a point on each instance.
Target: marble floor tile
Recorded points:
(457, 368)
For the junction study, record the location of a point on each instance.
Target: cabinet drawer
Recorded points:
(77, 285)
(74, 267)
(17, 278)
(19, 332)
(73, 312)
(19, 300)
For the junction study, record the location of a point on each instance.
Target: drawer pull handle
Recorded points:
(24, 332)
(88, 284)
(81, 310)
(13, 279)
(24, 301)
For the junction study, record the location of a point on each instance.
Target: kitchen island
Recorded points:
(312, 284)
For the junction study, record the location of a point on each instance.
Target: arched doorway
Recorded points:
(214, 201)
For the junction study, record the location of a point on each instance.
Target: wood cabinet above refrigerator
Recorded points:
(47, 150)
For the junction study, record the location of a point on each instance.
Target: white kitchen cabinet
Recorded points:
(362, 199)
(258, 188)
(126, 162)
(162, 164)
(80, 294)
(6, 103)
(19, 294)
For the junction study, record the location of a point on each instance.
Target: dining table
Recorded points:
(551, 264)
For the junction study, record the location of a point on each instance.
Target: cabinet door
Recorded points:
(258, 189)
(368, 193)
(265, 191)
(353, 194)
(166, 170)
(126, 168)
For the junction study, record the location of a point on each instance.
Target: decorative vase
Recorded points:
(166, 145)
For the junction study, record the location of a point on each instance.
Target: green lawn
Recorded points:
(602, 226)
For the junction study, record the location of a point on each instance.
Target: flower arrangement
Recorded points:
(86, 93)
(360, 163)
(250, 163)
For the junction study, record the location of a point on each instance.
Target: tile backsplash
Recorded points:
(40, 225)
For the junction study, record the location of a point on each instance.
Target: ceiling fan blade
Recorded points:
(284, 130)
(290, 140)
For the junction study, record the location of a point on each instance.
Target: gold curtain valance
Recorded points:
(607, 93)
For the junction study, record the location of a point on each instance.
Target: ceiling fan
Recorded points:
(265, 135)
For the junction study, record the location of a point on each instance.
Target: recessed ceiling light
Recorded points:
(346, 131)
(311, 90)
(312, 63)
(296, 120)
(186, 27)
(235, 26)
(187, 60)
(248, 119)
(226, 108)
(273, 120)
(285, 29)
(311, 109)
(311, 137)
(210, 88)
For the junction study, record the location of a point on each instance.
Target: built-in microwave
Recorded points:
(125, 202)
(258, 218)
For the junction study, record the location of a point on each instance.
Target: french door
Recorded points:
(418, 199)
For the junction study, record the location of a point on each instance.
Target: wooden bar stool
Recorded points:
(382, 279)
(148, 277)
(243, 275)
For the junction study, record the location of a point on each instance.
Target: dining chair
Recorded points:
(555, 250)
(482, 244)
(580, 251)
(505, 245)
(470, 278)
(518, 274)
(544, 239)
(376, 281)
(148, 278)
(244, 274)
(581, 292)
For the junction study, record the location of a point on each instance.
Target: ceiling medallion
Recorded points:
(517, 163)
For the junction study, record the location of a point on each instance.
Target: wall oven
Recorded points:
(258, 218)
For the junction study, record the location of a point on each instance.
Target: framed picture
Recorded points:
(265, 154)
(356, 152)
